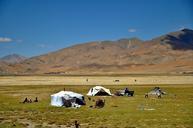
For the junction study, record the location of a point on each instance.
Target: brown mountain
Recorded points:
(13, 58)
(170, 53)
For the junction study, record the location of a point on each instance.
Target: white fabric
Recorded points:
(93, 91)
(56, 99)
(156, 92)
(74, 105)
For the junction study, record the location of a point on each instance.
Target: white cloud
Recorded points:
(5, 40)
(42, 45)
(132, 30)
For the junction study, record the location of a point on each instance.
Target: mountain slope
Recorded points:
(13, 58)
(170, 53)
(180, 40)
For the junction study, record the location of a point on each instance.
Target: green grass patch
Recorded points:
(173, 110)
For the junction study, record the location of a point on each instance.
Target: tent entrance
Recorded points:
(101, 93)
(80, 102)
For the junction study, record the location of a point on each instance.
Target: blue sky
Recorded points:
(34, 27)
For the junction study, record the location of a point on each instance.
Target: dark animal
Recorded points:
(36, 100)
(146, 95)
(76, 124)
(116, 80)
(26, 100)
(99, 103)
(89, 98)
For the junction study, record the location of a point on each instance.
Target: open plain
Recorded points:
(97, 80)
(172, 110)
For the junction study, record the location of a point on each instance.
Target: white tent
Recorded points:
(98, 90)
(156, 91)
(57, 99)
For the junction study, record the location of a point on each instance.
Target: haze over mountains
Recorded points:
(170, 53)
(13, 58)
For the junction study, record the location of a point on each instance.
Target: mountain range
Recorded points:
(13, 59)
(171, 53)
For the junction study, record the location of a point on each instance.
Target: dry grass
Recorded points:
(94, 80)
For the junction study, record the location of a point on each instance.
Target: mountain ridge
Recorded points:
(13, 58)
(169, 53)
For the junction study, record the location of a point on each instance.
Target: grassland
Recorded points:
(96, 80)
(175, 110)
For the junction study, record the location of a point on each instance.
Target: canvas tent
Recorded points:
(99, 91)
(60, 98)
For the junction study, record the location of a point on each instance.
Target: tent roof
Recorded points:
(69, 93)
(57, 99)
(156, 90)
(94, 90)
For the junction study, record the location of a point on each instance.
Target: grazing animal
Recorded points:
(146, 95)
(116, 80)
(89, 98)
(99, 103)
